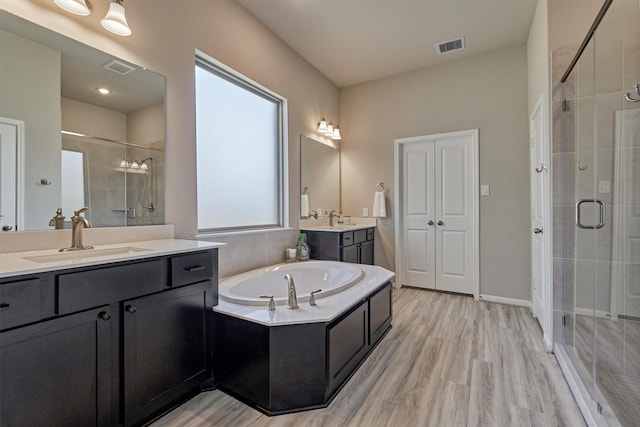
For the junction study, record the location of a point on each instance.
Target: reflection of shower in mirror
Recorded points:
(146, 186)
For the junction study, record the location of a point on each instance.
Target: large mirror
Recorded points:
(63, 144)
(319, 177)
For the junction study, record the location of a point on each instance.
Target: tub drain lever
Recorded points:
(312, 298)
(272, 303)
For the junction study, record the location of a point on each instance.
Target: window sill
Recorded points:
(226, 233)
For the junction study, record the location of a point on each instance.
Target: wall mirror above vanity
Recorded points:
(319, 176)
(70, 145)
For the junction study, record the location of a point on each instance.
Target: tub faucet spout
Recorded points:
(293, 299)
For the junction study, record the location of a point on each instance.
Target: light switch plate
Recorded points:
(365, 211)
(484, 190)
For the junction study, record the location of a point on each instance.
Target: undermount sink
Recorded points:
(84, 254)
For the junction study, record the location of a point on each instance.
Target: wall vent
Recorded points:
(119, 67)
(450, 46)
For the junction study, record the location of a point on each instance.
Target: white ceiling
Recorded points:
(353, 41)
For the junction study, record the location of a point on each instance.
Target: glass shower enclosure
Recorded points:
(596, 173)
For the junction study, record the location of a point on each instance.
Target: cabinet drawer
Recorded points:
(19, 303)
(347, 238)
(360, 236)
(369, 233)
(85, 289)
(191, 268)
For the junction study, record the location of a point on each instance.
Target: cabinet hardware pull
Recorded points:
(131, 309)
(104, 315)
(194, 268)
(5, 306)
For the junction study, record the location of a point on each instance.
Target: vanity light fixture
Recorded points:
(328, 129)
(77, 7)
(134, 165)
(115, 21)
(124, 164)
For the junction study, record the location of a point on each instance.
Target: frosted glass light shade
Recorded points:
(329, 131)
(77, 7)
(322, 126)
(336, 133)
(115, 21)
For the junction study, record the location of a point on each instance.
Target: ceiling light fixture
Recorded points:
(115, 21)
(328, 129)
(103, 90)
(77, 7)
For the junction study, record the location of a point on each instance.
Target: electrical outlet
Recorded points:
(604, 186)
(365, 211)
(484, 190)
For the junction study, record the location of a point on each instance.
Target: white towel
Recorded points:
(379, 205)
(304, 205)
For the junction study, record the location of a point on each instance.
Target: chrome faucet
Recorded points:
(77, 224)
(332, 215)
(293, 299)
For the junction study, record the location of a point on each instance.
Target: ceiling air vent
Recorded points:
(119, 67)
(450, 46)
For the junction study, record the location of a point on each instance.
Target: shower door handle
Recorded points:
(601, 221)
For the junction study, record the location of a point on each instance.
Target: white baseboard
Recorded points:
(589, 312)
(503, 300)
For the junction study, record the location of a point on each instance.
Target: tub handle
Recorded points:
(272, 303)
(312, 298)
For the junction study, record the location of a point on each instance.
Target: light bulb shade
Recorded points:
(135, 165)
(143, 166)
(115, 20)
(77, 7)
(336, 133)
(322, 126)
(123, 163)
(329, 129)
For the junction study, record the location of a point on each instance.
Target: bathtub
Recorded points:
(329, 276)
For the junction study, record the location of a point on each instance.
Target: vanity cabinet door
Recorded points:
(380, 313)
(366, 252)
(58, 372)
(349, 254)
(347, 345)
(166, 350)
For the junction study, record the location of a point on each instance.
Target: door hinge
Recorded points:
(599, 407)
(563, 319)
(565, 105)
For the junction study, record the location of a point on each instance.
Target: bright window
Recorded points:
(72, 181)
(240, 157)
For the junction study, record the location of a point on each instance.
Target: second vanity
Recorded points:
(109, 337)
(347, 243)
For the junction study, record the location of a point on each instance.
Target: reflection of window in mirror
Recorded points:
(72, 182)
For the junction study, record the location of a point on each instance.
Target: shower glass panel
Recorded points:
(597, 217)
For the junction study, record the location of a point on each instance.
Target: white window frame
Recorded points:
(226, 72)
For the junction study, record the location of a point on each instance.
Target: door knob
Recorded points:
(429, 222)
(440, 222)
(7, 228)
(537, 230)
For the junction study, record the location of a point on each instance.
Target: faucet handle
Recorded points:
(272, 303)
(312, 298)
(79, 211)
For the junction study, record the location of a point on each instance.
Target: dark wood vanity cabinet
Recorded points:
(165, 350)
(112, 344)
(354, 246)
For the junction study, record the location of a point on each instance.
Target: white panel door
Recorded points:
(438, 211)
(8, 175)
(455, 215)
(419, 215)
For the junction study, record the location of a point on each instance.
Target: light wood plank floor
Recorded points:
(448, 361)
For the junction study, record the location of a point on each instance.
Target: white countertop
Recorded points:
(327, 308)
(18, 263)
(337, 229)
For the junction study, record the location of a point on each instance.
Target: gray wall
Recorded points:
(488, 92)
